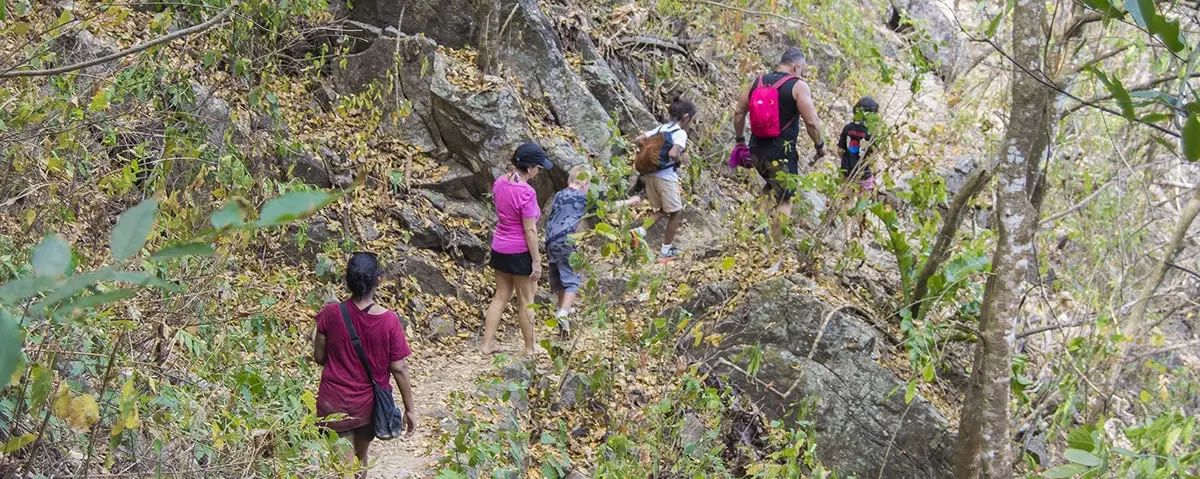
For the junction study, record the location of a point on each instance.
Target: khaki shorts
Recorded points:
(663, 194)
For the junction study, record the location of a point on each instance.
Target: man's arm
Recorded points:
(808, 111)
(739, 115)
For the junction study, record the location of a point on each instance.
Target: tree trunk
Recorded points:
(985, 441)
(487, 36)
(1135, 325)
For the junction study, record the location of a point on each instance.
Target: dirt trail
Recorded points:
(436, 374)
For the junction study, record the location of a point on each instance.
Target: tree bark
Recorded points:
(985, 440)
(487, 36)
(1135, 325)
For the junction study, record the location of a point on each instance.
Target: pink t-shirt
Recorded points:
(514, 202)
(344, 385)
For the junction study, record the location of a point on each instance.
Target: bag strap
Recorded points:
(358, 347)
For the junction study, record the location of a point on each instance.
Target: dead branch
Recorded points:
(653, 42)
(126, 52)
(752, 12)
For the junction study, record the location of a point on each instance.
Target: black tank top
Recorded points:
(788, 112)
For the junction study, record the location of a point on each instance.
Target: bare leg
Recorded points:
(672, 226)
(783, 212)
(566, 300)
(526, 288)
(361, 444)
(491, 319)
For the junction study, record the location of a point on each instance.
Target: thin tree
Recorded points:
(487, 36)
(985, 447)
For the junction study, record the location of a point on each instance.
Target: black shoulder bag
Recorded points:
(388, 419)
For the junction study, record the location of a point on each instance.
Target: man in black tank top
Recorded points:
(772, 156)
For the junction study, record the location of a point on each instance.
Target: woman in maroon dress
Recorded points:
(344, 386)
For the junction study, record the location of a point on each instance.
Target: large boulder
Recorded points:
(632, 115)
(529, 50)
(863, 425)
(947, 47)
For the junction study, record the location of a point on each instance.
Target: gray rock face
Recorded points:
(307, 168)
(854, 415)
(429, 233)
(632, 115)
(529, 49)
(212, 112)
(442, 327)
(427, 276)
(951, 52)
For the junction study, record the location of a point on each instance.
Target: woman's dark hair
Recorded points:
(867, 105)
(362, 274)
(680, 108)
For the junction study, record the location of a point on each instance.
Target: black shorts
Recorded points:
(772, 157)
(516, 264)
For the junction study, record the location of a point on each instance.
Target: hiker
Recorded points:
(515, 256)
(659, 168)
(345, 387)
(854, 138)
(567, 209)
(774, 103)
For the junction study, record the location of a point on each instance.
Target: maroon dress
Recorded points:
(344, 385)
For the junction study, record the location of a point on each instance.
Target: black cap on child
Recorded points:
(530, 154)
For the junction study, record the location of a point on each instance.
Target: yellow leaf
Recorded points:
(15, 444)
(62, 402)
(84, 412)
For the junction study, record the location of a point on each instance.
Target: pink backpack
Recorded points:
(764, 108)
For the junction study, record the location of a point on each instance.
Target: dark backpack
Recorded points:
(655, 153)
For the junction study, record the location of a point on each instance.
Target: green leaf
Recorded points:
(94, 300)
(182, 250)
(52, 257)
(293, 206)
(928, 373)
(1168, 31)
(1081, 438)
(40, 388)
(1190, 140)
(71, 287)
(967, 264)
(99, 101)
(232, 215)
(1106, 8)
(1118, 91)
(1138, 9)
(1063, 471)
(910, 392)
(1155, 118)
(1081, 457)
(133, 227)
(21, 289)
(11, 341)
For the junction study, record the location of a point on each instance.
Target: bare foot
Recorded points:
(491, 350)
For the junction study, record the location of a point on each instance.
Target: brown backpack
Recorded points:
(654, 154)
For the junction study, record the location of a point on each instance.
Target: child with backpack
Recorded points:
(661, 153)
(856, 136)
(567, 209)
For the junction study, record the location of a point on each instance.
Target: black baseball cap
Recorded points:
(530, 154)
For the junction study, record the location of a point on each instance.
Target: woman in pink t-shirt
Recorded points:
(345, 387)
(515, 256)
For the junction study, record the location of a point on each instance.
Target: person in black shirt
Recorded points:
(854, 144)
(772, 156)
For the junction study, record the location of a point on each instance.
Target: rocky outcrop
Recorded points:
(863, 424)
(946, 47)
(632, 115)
(529, 50)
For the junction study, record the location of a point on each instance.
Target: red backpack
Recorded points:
(764, 108)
